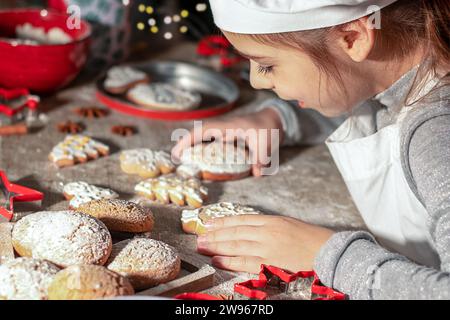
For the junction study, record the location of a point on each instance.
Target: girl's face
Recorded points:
(292, 75)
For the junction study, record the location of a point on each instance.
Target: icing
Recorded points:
(147, 158)
(217, 210)
(123, 76)
(83, 192)
(77, 147)
(174, 186)
(165, 95)
(216, 157)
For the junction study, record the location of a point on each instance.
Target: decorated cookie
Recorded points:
(173, 189)
(120, 79)
(77, 149)
(81, 192)
(215, 161)
(146, 163)
(193, 221)
(164, 96)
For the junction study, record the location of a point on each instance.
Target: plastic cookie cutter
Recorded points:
(286, 282)
(9, 193)
(273, 278)
(14, 103)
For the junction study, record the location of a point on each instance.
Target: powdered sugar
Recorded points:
(26, 279)
(83, 192)
(217, 210)
(147, 158)
(123, 76)
(63, 237)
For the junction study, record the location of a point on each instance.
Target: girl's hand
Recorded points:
(243, 243)
(265, 119)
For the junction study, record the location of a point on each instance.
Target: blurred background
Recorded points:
(132, 27)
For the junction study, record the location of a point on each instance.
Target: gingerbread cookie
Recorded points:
(63, 238)
(120, 215)
(164, 96)
(215, 161)
(193, 221)
(26, 279)
(81, 192)
(145, 262)
(120, 79)
(77, 149)
(88, 282)
(167, 189)
(146, 163)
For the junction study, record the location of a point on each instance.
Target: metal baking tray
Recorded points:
(219, 93)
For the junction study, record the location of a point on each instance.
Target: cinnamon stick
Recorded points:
(16, 129)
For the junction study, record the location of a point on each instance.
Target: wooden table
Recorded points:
(308, 185)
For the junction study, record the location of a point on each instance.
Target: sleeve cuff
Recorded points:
(326, 261)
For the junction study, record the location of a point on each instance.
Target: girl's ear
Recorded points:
(357, 39)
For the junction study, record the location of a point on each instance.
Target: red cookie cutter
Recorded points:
(12, 192)
(15, 101)
(274, 277)
(219, 46)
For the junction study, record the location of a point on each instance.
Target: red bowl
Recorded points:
(40, 68)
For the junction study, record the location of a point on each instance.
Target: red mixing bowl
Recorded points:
(40, 68)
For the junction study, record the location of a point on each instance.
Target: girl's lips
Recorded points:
(301, 104)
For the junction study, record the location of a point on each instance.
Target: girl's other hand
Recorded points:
(267, 119)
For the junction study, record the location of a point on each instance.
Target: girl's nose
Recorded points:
(258, 80)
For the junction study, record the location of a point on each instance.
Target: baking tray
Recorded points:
(219, 93)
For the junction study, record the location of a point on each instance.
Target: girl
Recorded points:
(393, 152)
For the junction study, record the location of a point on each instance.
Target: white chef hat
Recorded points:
(275, 16)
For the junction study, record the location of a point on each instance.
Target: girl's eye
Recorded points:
(265, 70)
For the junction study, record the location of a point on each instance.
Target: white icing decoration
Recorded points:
(83, 192)
(171, 184)
(123, 76)
(163, 95)
(216, 157)
(76, 146)
(217, 210)
(146, 158)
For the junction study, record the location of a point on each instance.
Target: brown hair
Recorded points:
(405, 25)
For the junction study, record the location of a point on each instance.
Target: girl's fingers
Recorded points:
(249, 264)
(228, 248)
(249, 233)
(233, 221)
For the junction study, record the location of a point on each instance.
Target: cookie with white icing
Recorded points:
(26, 279)
(80, 192)
(145, 262)
(88, 282)
(164, 96)
(146, 163)
(193, 221)
(120, 79)
(215, 161)
(173, 189)
(62, 237)
(120, 215)
(77, 149)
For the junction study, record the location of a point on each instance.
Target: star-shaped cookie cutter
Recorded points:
(9, 193)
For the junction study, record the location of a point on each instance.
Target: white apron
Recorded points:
(369, 162)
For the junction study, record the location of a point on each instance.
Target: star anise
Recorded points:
(124, 131)
(91, 112)
(70, 127)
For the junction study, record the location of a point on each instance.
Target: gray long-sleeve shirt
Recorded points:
(353, 262)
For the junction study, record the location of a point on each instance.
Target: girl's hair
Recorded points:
(404, 25)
